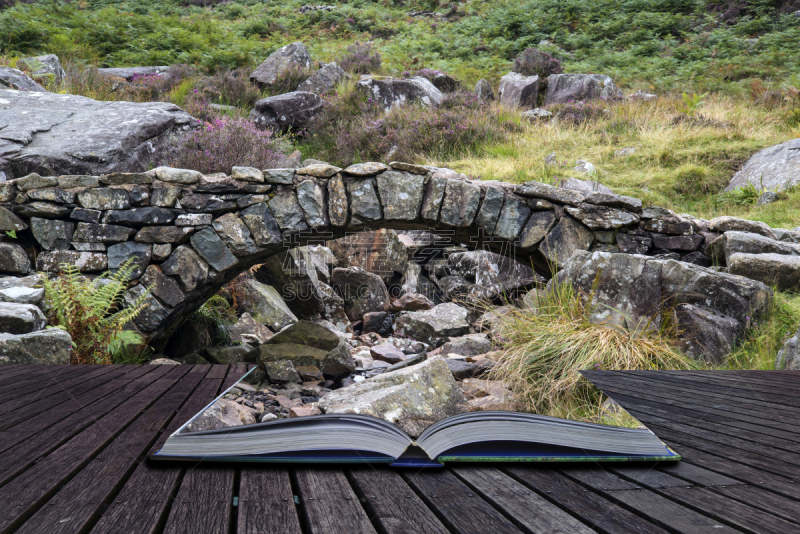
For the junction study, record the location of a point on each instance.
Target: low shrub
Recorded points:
(222, 143)
(697, 180)
(535, 62)
(759, 348)
(87, 81)
(352, 129)
(748, 194)
(91, 311)
(227, 87)
(545, 347)
(577, 113)
(360, 58)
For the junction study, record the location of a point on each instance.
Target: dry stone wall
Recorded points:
(190, 233)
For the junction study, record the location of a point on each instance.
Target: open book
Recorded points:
(490, 436)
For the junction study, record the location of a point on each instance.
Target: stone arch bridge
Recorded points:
(190, 233)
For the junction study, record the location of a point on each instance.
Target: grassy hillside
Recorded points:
(745, 54)
(660, 44)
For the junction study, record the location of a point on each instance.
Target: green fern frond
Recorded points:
(93, 312)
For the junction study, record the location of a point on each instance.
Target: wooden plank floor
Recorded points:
(74, 443)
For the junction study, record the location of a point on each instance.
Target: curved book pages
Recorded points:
(491, 436)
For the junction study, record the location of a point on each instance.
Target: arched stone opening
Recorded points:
(190, 234)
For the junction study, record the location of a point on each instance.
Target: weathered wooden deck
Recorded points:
(74, 442)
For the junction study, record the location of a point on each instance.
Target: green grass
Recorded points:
(680, 166)
(545, 346)
(764, 340)
(661, 45)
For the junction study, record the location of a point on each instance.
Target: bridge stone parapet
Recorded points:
(190, 233)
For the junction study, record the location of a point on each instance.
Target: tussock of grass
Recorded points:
(547, 345)
(759, 349)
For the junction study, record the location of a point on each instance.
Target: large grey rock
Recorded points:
(364, 203)
(52, 234)
(300, 275)
(412, 398)
(104, 198)
(263, 226)
(776, 168)
(251, 331)
(549, 192)
(22, 293)
(153, 314)
(338, 205)
(390, 93)
(512, 218)
(39, 133)
(287, 211)
(489, 275)
(267, 306)
(729, 243)
(460, 204)
(564, 239)
(10, 222)
(434, 326)
(129, 73)
(85, 262)
(602, 217)
(489, 212)
(51, 346)
(15, 79)
(517, 90)
(432, 199)
(140, 216)
(401, 194)
(282, 372)
(139, 253)
(312, 199)
(607, 198)
(483, 90)
(291, 56)
(162, 286)
(224, 413)
(726, 224)
(789, 356)
(13, 259)
(189, 268)
(370, 168)
(172, 175)
(20, 318)
(235, 234)
(537, 228)
(287, 112)
(362, 291)
(232, 354)
(469, 345)
(705, 335)
(101, 233)
(308, 343)
(43, 66)
(212, 249)
(381, 252)
(780, 271)
(561, 88)
(324, 80)
(632, 291)
(45, 210)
